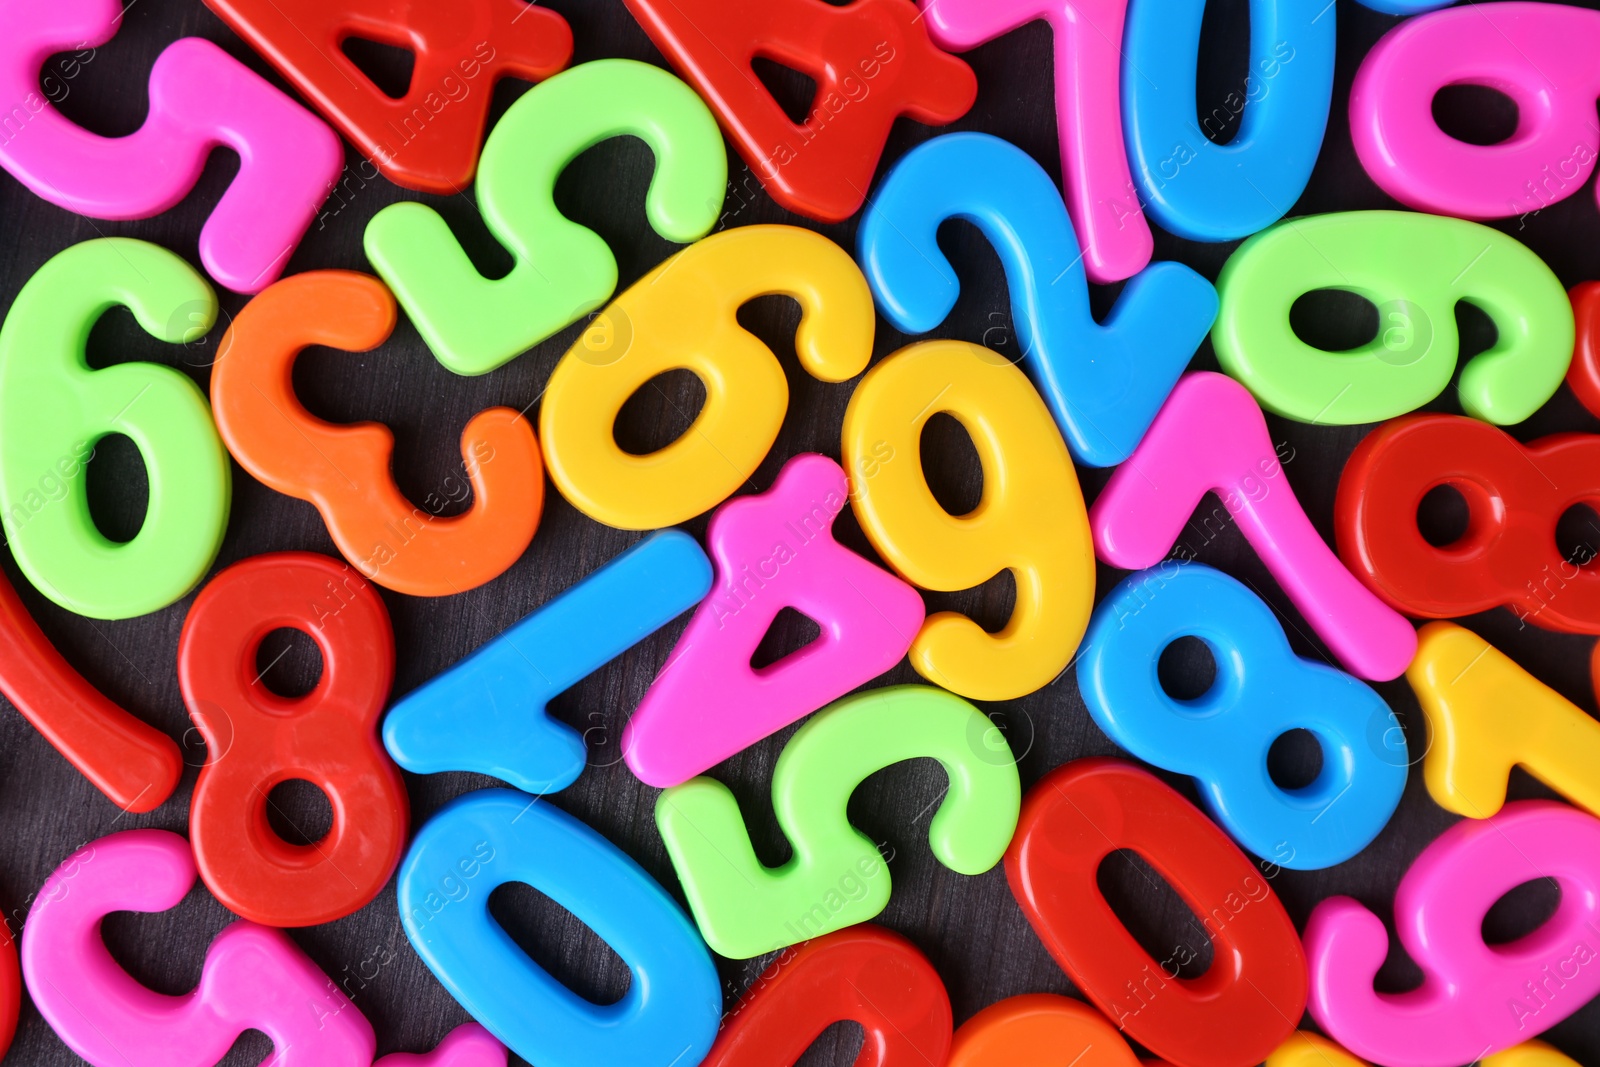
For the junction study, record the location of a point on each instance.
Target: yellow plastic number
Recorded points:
(1305, 1049)
(682, 316)
(1030, 519)
(1487, 715)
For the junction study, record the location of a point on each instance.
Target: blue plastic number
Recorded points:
(1206, 191)
(1103, 383)
(487, 713)
(485, 839)
(1262, 691)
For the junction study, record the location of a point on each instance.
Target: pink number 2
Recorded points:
(200, 98)
(254, 977)
(1211, 436)
(1094, 162)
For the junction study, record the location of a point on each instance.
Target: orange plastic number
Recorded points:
(1030, 520)
(344, 470)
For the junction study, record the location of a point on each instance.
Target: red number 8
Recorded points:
(257, 739)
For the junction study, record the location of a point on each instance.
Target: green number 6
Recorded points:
(54, 409)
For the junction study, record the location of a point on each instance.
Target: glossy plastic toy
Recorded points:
(1537, 54)
(201, 99)
(256, 739)
(1487, 715)
(345, 470)
(772, 551)
(487, 713)
(1037, 1029)
(254, 978)
(836, 876)
(1245, 1003)
(1262, 691)
(1583, 376)
(871, 60)
(1508, 555)
(561, 270)
(135, 765)
(1474, 999)
(866, 974)
(54, 409)
(428, 139)
(1098, 188)
(1191, 185)
(485, 839)
(1211, 437)
(683, 316)
(1030, 519)
(1415, 268)
(1306, 1049)
(11, 989)
(1103, 383)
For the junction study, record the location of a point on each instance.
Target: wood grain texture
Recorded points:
(970, 927)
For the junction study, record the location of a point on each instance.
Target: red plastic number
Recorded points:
(872, 61)
(1508, 555)
(429, 138)
(256, 739)
(11, 988)
(131, 762)
(1583, 374)
(863, 973)
(1253, 993)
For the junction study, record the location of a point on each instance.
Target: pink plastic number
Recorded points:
(200, 98)
(1094, 164)
(1474, 999)
(1210, 436)
(1540, 55)
(254, 977)
(772, 551)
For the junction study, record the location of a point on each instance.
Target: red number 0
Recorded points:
(257, 739)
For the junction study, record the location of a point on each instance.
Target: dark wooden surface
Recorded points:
(969, 927)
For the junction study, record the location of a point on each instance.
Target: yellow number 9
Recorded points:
(1030, 519)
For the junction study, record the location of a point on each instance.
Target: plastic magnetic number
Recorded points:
(683, 315)
(1103, 383)
(344, 470)
(871, 61)
(429, 138)
(1540, 55)
(1306, 1049)
(11, 990)
(255, 978)
(485, 839)
(258, 739)
(201, 98)
(1529, 1054)
(1415, 268)
(135, 765)
(561, 270)
(1487, 715)
(772, 551)
(1262, 691)
(487, 713)
(1099, 190)
(1037, 1029)
(1189, 184)
(836, 877)
(1474, 999)
(1211, 437)
(1030, 520)
(1245, 1003)
(866, 974)
(1583, 376)
(1508, 555)
(54, 408)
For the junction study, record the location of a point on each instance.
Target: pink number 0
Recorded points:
(254, 977)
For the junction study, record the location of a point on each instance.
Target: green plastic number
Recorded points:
(1415, 268)
(54, 408)
(837, 877)
(563, 270)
